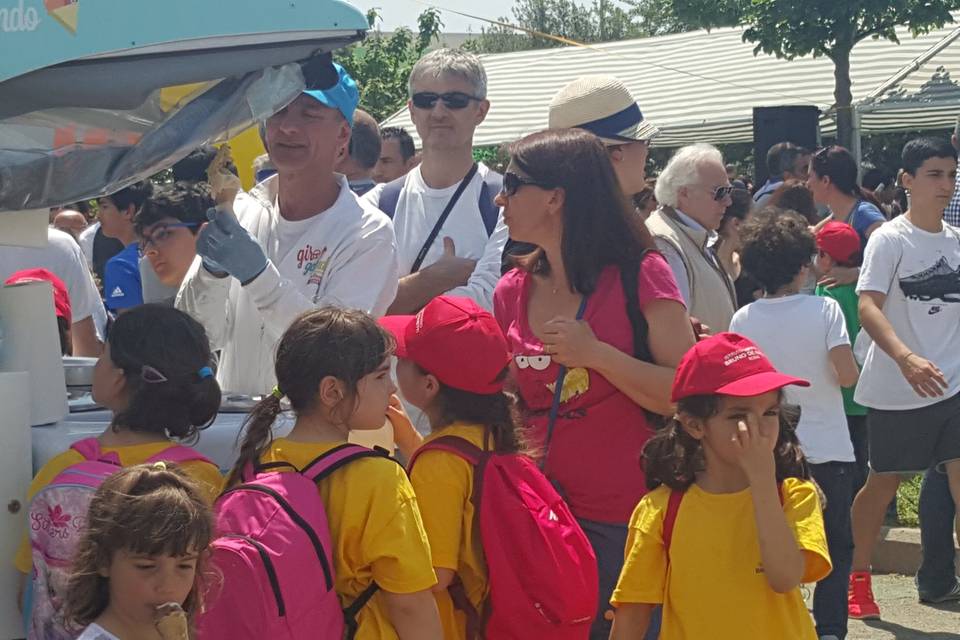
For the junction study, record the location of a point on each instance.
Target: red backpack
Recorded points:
(542, 571)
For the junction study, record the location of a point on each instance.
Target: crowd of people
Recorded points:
(722, 388)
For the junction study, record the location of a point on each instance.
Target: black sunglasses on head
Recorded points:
(451, 99)
(512, 182)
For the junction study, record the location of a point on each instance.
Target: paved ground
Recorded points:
(903, 617)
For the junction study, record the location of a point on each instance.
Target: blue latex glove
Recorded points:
(226, 247)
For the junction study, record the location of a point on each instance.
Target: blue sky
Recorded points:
(404, 12)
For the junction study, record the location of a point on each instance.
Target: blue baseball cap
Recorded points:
(342, 96)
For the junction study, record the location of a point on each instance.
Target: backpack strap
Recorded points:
(673, 508)
(90, 449)
(178, 454)
(390, 196)
(670, 518)
(326, 463)
(451, 444)
(491, 186)
(350, 613)
(629, 280)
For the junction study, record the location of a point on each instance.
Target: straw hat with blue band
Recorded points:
(603, 106)
(343, 96)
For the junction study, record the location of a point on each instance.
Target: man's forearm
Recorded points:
(416, 290)
(880, 329)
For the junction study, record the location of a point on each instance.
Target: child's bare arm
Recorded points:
(414, 615)
(630, 621)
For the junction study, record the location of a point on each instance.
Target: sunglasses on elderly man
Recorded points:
(722, 192)
(451, 100)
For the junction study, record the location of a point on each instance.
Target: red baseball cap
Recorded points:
(730, 365)
(839, 240)
(61, 299)
(456, 340)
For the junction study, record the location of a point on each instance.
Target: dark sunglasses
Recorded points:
(512, 182)
(451, 100)
(722, 192)
(161, 233)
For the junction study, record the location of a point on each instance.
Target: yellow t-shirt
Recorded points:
(206, 474)
(444, 486)
(714, 586)
(375, 527)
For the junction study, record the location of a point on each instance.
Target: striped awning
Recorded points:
(702, 85)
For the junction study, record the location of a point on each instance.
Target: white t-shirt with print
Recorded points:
(919, 272)
(418, 210)
(797, 333)
(96, 632)
(344, 256)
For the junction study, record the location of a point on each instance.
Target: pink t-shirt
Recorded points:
(600, 432)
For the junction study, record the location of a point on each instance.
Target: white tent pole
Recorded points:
(857, 141)
(912, 66)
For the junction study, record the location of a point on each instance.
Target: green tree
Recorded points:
(601, 21)
(831, 28)
(381, 64)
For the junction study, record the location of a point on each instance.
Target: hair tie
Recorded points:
(150, 375)
(276, 393)
(205, 372)
(160, 465)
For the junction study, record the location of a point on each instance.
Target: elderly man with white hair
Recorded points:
(693, 192)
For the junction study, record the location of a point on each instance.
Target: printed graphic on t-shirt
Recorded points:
(939, 282)
(313, 265)
(575, 383)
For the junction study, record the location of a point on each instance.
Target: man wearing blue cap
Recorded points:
(301, 239)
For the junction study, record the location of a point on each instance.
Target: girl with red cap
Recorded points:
(736, 524)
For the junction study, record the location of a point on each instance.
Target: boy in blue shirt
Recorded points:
(122, 287)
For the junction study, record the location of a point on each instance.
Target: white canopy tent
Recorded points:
(702, 86)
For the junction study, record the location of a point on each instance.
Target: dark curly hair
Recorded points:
(776, 245)
(794, 195)
(673, 457)
(183, 201)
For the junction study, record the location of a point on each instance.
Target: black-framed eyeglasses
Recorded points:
(451, 99)
(512, 182)
(161, 233)
(722, 192)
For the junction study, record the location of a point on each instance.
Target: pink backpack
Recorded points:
(274, 555)
(541, 568)
(57, 518)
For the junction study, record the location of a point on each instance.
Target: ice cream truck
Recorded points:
(96, 95)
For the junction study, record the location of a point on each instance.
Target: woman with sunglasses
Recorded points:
(694, 192)
(167, 226)
(596, 326)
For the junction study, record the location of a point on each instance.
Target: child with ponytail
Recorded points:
(736, 524)
(333, 366)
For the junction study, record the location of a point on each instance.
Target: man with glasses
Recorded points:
(450, 235)
(785, 161)
(299, 240)
(694, 192)
(167, 226)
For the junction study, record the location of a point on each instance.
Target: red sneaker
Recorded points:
(861, 604)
